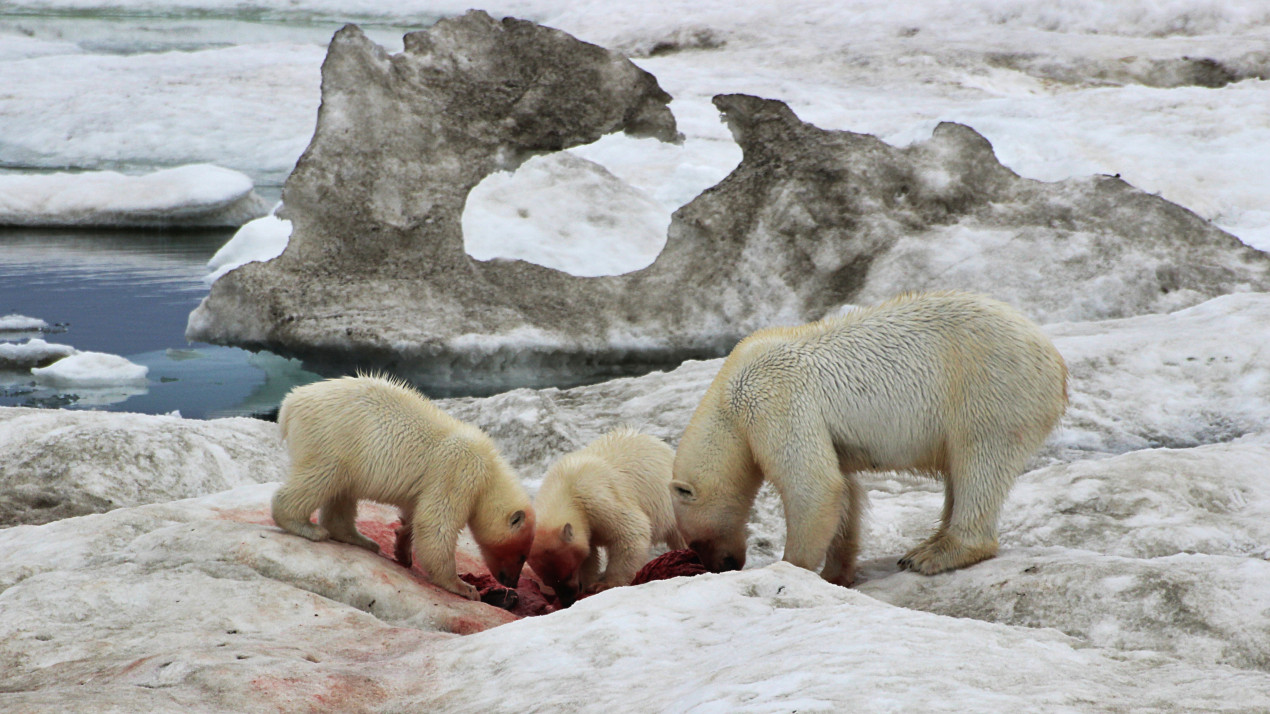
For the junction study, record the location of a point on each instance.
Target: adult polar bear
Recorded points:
(954, 385)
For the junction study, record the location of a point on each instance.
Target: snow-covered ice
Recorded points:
(91, 369)
(21, 323)
(261, 239)
(567, 213)
(187, 196)
(1060, 89)
(63, 463)
(1133, 573)
(96, 379)
(35, 352)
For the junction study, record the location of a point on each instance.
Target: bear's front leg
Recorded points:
(810, 524)
(627, 553)
(812, 491)
(840, 560)
(435, 541)
(403, 548)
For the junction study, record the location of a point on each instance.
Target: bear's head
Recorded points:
(715, 482)
(713, 525)
(505, 553)
(557, 557)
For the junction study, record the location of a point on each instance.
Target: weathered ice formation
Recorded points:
(376, 276)
(375, 273)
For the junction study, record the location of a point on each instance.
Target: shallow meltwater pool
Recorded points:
(129, 293)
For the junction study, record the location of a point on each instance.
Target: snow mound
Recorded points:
(208, 590)
(1167, 380)
(261, 239)
(61, 463)
(198, 195)
(92, 370)
(21, 323)
(567, 213)
(34, 352)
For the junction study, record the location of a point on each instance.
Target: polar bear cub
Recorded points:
(376, 438)
(955, 385)
(613, 495)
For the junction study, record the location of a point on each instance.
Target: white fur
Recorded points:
(615, 495)
(951, 384)
(375, 438)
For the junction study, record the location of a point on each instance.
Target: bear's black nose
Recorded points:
(730, 563)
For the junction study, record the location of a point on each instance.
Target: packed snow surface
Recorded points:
(606, 227)
(1134, 572)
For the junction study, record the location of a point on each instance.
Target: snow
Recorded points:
(1134, 573)
(204, 601)
(21, 323)
(92, 369)
(35, 352)
(1061, 90)
(198, 195)
(566, 213)
(262, 239)
(62, 463)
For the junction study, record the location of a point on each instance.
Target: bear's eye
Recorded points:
(517, 517)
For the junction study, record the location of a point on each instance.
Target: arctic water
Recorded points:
(129, 293)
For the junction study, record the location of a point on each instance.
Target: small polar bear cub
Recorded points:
(612, 495)
(954, 385)
(375, 438)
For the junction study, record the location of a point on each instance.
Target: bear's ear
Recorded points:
(517, 518)
(566, 533)
(683, 491)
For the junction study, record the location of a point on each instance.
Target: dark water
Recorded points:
(130, 293)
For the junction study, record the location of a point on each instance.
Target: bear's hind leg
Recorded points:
(297, 499)
(977, 483)
(840, 560)
(339, 517)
